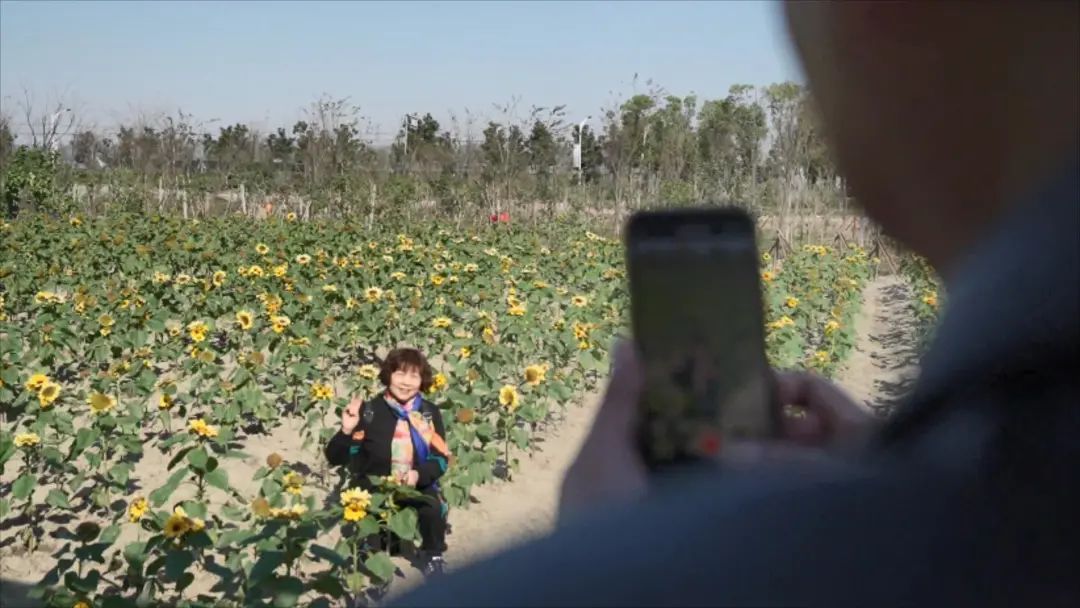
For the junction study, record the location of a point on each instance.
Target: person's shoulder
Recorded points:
(767, 539)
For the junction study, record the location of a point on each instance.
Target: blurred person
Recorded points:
(401, 435)
(956, 125)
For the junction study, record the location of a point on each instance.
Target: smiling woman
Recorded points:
(398, 438)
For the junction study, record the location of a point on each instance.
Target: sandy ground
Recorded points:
(879, 372)
(884, 364)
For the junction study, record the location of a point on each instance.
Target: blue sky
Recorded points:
(261, 62)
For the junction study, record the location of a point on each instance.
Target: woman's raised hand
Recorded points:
(350, 416)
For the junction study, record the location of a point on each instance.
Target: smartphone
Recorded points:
(697, 319)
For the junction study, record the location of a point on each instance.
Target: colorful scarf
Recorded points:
(413, 436)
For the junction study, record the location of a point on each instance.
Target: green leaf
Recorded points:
(7, 446)
(519, 437)
(58, 499)
(356, 582)
(160, 495)
(110, 534)
(23, 486)
(231, 538)
(234, 512)
(194, 509)
(403, 523)
(380, 565)
(82, 584)
(176, 563)
(83, 438)
(327, 584)
(265, 565)
(145, 381)
(366, 527)
(287, 591)
(179, 455)
(121, 473)
(218, 478)
(135, 554)
(329, 555)
(115, 601)
(198, 458)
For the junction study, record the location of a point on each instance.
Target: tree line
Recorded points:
(757, 146)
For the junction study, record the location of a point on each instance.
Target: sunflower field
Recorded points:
(150, 366)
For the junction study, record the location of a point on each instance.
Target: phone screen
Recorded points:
(697, 319)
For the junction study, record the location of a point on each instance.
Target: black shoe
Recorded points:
(434, 566)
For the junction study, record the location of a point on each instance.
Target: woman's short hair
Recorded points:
(406, 359)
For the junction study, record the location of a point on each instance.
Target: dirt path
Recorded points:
(884, 363)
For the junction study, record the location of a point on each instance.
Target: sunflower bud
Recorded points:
(260, 507)
(274, 460)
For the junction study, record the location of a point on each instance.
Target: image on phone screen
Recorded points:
(697, 317)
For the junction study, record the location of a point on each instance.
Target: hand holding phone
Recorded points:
(698, 323)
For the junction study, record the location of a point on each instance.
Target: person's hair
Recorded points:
(405, 359)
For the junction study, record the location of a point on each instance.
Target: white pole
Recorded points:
(581, 151)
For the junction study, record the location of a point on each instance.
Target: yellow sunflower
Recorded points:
(535, 374)
(137, 508)
(100, 403)
(27, 440)
(508, 397)
(356, 496)
(293, 483)
(197, 331)
(354, 512)
(261, 249)
(177, 525)
(322, 392)
(579, 301)
(438, 382)
(244, 319)
(36, 381)
(199, 427)
(48, 393)
(279, 323)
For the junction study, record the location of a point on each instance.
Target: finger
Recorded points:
(618, 410)
(833, 409)
(840, 417)
(802, 426)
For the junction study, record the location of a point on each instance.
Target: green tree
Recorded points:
(29, 183)
(7, 142)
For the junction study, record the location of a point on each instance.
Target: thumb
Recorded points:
(619, 408)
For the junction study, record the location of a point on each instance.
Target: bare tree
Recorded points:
(51, 121)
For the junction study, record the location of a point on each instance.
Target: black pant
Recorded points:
(429, 511)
